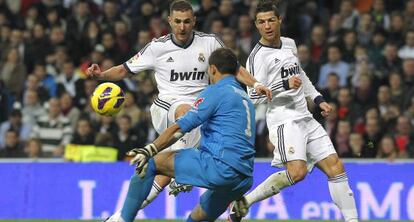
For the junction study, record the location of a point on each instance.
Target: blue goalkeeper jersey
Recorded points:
(228, 124)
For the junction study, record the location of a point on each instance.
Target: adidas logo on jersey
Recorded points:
(290, 71)
(194, 75)
(170, 59)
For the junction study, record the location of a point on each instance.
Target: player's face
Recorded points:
(268, 25)
(182, 24)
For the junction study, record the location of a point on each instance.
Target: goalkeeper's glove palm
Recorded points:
(140, 158)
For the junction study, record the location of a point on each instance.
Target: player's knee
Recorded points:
(297, 174)
(335, 166)
(181, 110)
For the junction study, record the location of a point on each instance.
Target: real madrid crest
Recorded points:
(291, 150)
(201, 57)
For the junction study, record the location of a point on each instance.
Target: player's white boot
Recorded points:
(116, 217)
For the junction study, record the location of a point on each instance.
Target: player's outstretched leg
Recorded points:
(158, 186)
(339, 189)
(296, 171)
(271, 186)
(138, 190)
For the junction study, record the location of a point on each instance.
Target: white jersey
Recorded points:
(273, 67)
(179, 71)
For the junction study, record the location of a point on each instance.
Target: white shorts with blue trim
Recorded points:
(301, 139)
(163, 116)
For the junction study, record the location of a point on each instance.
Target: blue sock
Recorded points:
(189, 219)
(138, 190)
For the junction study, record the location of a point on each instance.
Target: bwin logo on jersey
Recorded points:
(194, 75)
(290, 71)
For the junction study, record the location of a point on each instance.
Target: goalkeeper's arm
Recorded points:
(168, 137)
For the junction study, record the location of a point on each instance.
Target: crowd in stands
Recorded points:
(358, 53)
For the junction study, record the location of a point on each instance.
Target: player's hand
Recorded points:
(140, 158)
(326, 109)
(94, 71)
(263, 90)
(294, 82)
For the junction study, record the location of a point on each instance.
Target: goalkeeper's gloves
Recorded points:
(141, 156)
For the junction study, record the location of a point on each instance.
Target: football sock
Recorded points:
(271, 186)
(155, 191)
(138, 190)
(343, 197)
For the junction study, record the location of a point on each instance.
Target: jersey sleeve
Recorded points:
(143, 60)
(259, 71)
(217, 43)
(203, 108)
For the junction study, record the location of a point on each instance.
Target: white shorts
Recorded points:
(163, 116)
(302, 139)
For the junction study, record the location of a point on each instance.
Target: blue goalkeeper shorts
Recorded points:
(224, 184)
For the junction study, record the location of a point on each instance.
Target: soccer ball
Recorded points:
(107, 99)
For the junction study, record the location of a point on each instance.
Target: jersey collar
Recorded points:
(268, 46)
(225, 80)
(185, 45)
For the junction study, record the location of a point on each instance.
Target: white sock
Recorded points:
(343, 197)
(271, 186)
(155, 191)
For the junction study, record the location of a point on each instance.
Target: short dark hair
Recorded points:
(267, 6)
(225, 61)
(180, 5)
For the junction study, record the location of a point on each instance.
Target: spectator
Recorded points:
(387, 149)
(336, 65)
(356, 145)
(15, 123)
(84, 135)
(46, 80)
(130, 108)
(317, 43)
(33, 149)
(36, 46)
(111, 15)
(69, 111)
(13, 72)
(246, 35)
(310, 67)
(349, 15)
(347, 109)
(390, 60)
(12, 147)
(349, 42)
(365, 92)
(397, 26)
(381, 17)
(229, 40)
(90, 37)
(402, 135)
(125, 138)
(342, 137)
(53, 130)
(32, 108)
(207, 7)
(4, 100)
(397, 90)
(68, 81)
(365, 29)
(225, 13)
(330, 93)
(407, 50)
(376, 46)
(372, 137)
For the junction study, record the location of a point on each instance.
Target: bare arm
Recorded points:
(114, 73)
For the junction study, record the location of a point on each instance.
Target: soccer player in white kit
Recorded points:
(298, 138)
(180, 62)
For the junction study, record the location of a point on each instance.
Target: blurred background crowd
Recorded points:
(358, 53)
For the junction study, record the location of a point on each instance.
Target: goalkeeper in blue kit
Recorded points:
(223, 164)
